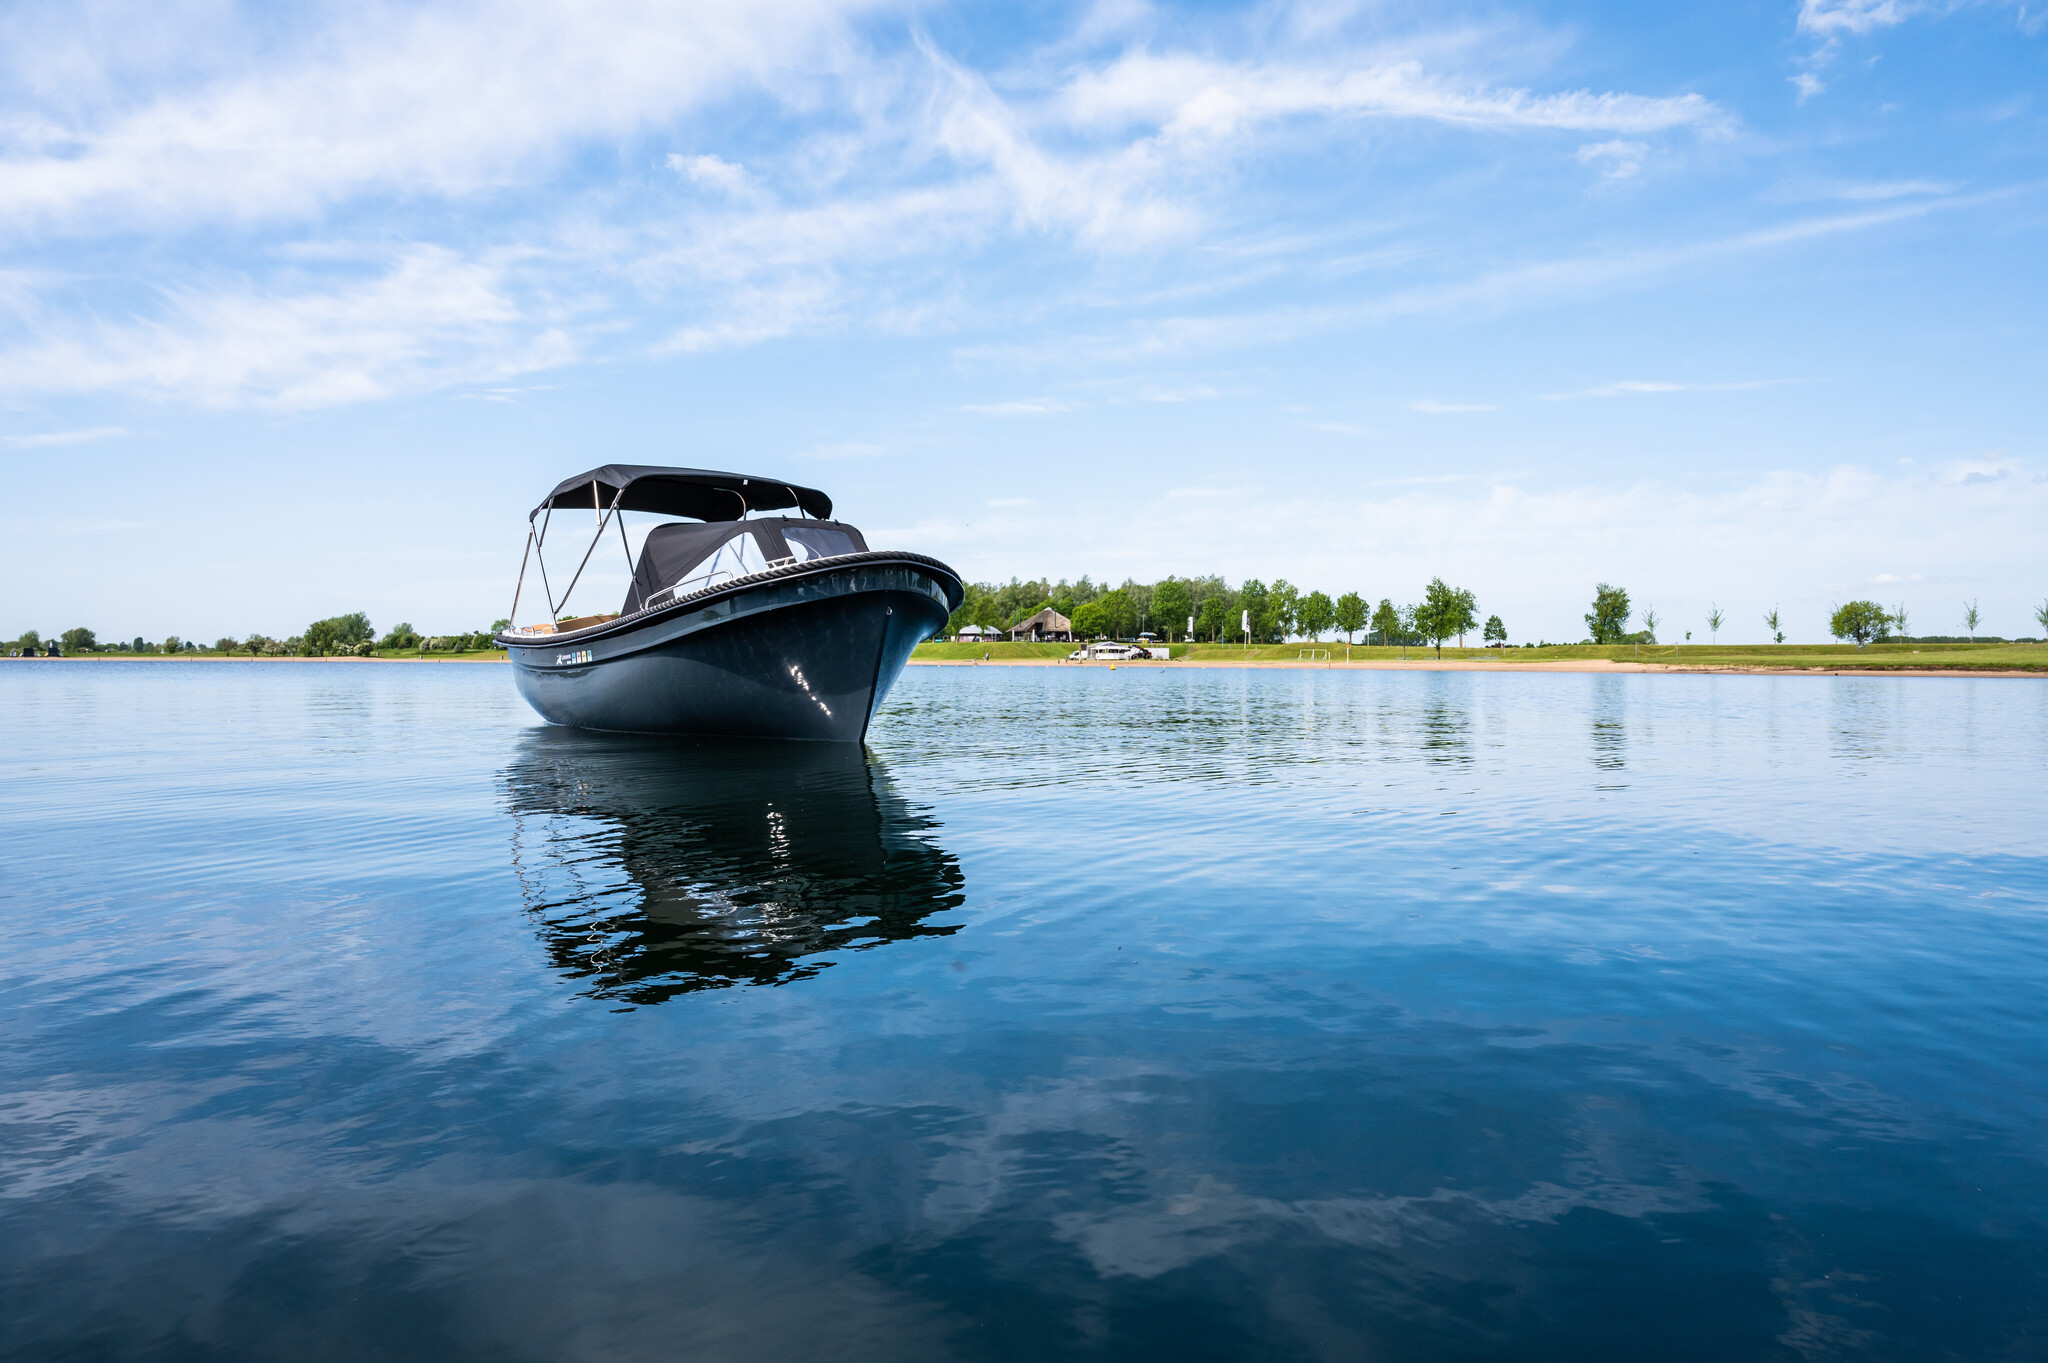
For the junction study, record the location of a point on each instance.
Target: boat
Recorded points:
(737, 622)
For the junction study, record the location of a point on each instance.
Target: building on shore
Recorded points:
(1047, 624)
(978, 634)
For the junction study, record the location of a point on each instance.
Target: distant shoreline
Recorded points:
(1488, 665)
(1594, 665)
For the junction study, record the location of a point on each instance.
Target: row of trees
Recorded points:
(1867, 622)
(340, 636)
(1861, 622)
(1208, 608)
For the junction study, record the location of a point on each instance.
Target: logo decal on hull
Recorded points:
(581, 655)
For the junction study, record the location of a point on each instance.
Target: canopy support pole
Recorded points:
(593, 544)
(512, 619)
(540, 557)
(627, 545)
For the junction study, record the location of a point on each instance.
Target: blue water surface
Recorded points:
(349, 1012)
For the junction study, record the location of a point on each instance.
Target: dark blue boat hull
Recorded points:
(805, 654)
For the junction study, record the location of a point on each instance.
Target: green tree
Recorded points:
(172, 643)
(1283, 611)
(1119, 613)
(1215, 616)
(226, 645)
(1090, 620)
(80, 640)
(1862, 621)
(1899, 619)
(1350, 614)
(2041, 618)
(1496, 632)
(30, 639)
(1172, 604)
(402, 635)
(1445, 611)
(140, 645)
(1714, 620)
(1468, 613)
(1771, 624)
(1608, 620)
(1387, 621)
(1649, 635)
(1971, 619)
(1316, 614)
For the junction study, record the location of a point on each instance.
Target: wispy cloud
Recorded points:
(1617, 160)
(1190, 95)
(430, 319)
(1434, 408)
(45, 439)
(1853, 16)
(1022, 407)
(712, 172)
(1637, 387)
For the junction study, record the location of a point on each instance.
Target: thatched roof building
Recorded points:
(1047, 624)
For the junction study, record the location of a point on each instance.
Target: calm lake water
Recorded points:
(349, 1013)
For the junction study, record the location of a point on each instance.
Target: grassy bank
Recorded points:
(1002, 649)
(1974, 657)
(486, 655)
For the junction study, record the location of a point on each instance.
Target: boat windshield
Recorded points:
(677, 560)
(807, 542)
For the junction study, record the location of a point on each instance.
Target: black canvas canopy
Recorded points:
(697, 493)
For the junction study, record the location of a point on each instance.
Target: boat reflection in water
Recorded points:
(660, 866)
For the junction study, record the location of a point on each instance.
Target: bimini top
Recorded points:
(697, 493)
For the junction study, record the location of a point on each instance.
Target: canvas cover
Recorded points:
(701, 494)
(681, 553)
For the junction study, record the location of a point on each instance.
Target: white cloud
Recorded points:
(713, 172)
(1616, 160)
(1635, 387)
(376, 102)
(1032, 407)
(1807, 84)
(46, 439)
(1488, 294)
(1188, 95)
(431, 319)
(1448, 408)
(1852, 16)
(896, 170)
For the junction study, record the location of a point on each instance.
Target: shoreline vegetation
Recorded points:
(1276, 626)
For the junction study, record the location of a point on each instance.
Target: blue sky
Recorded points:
(1735, 304)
